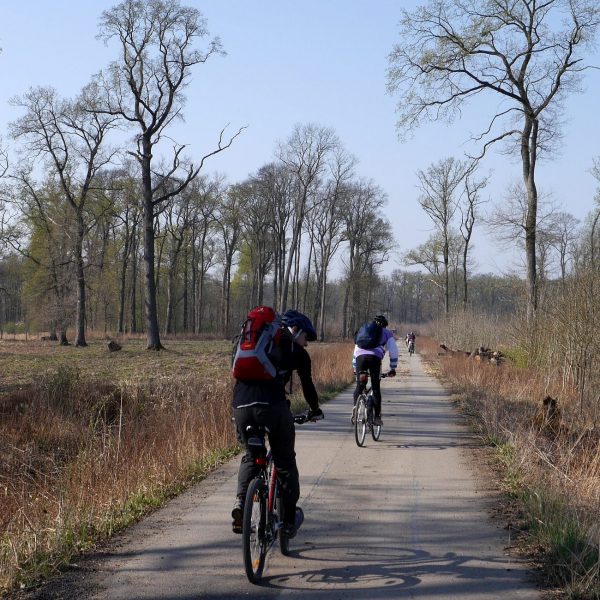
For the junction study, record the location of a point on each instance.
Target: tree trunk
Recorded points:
(151, 312)
(288, 269)
(134, 282)
(122, 285)
(80, 335)
(193, 286)
(528, 156)
(304, 299)
(185, 289)
(446, 280)
(170, 295)
(322, 311)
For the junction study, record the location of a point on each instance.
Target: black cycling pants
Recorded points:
(371, 364)
(282, 437)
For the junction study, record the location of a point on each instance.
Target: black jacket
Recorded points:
(288, 357)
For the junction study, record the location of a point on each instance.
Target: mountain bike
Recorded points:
(364, 411)
(411, 347)
(263, 518)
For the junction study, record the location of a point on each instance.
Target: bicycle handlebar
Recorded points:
(306, 417)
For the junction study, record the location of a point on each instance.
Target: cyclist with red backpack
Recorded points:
(372, 340)
(263, 365)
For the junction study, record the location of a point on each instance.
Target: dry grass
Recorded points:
(554, 468)
(83, 453)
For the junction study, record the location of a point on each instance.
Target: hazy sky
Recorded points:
(320, 61)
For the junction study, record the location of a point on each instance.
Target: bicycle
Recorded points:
(263, 518)
(411, 347)
(363, 412)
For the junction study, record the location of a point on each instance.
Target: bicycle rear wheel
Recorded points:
(360, 424)
(254, 542)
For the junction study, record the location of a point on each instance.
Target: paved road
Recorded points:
(401, 518)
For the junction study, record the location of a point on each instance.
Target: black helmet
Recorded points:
(381, 320)
(293, 318)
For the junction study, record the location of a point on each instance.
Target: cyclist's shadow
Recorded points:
(372, 574)
(362, 570)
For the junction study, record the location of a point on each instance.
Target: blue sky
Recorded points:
(321, 61)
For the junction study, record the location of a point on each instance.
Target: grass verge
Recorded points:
(83, 456)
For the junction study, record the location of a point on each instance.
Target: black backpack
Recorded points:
(368, 336)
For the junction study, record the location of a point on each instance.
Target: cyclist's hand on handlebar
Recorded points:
(391, 373)
(315, 415)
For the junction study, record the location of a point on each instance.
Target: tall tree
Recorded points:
(229, 221)
(439, 199)
(71, 140)
(525, 52)
(178, 221)
(328, 223)
(42, 236)
(367, 246)
(564, 226)
(469, 213)
(206, 196)
(145, 89)
(304, 153)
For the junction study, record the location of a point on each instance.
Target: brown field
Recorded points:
(91, 440)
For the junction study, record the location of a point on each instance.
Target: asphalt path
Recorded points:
(405, 517)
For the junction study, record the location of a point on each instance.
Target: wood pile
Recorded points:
(480, 354)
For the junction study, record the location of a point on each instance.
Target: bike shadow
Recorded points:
(376, 572)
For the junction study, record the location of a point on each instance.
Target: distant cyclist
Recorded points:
(372, 340)
(265, 403)
(410, 337)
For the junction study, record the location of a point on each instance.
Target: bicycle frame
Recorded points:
(262, 528)
(363, 420)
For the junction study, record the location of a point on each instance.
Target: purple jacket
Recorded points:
(387, 342)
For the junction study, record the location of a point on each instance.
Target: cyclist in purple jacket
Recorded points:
(369, 359)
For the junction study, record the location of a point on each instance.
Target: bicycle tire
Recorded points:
(360, 424)
(376, 432)
(284, 541)
(254, 543)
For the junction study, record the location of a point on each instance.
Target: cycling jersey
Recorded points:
(387, 343)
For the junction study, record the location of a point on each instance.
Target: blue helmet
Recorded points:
(293, 318)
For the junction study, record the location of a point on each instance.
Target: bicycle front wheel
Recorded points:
(376, 432)
(254, 534)
(360, 424)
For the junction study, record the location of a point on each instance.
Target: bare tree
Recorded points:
(229, 222)
(145, 89)
(41, 235)
(304, 154)
(509, 219)
(258, 234)
(71, 140)
(327, 223)
(206, 194)
(177, 224)
(525, 52)
(564, 225)
(469, 213)
(439, 187)
(369, 241)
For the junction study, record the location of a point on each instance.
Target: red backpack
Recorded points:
(260, 334)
